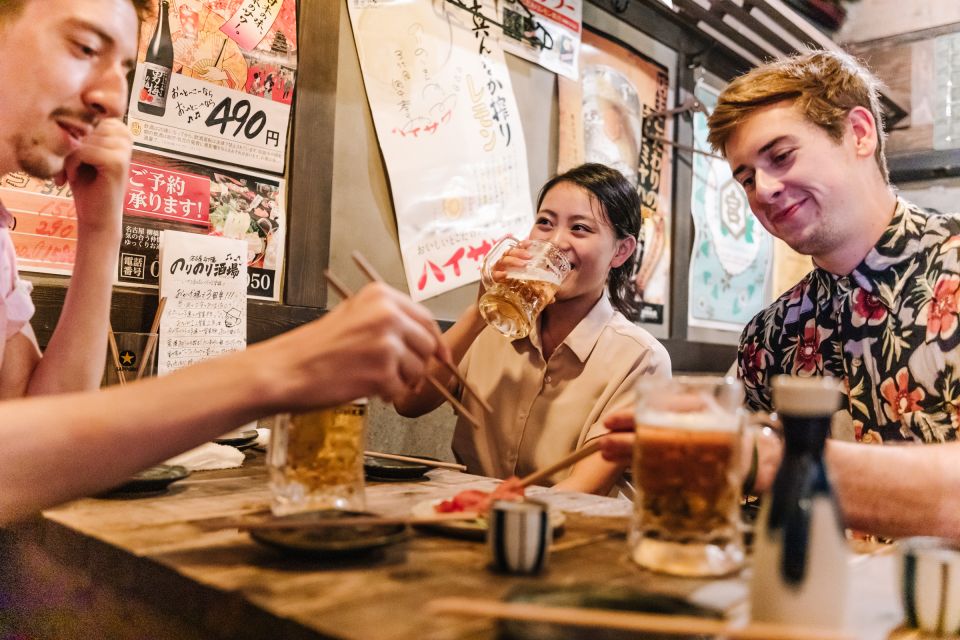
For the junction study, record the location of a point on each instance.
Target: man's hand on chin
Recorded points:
(97, 173)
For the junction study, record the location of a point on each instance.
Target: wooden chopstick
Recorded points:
(112, 339)
(357, 521)
(345, 293)
(152, 338)
(371, 273)
(423, 461)
(630, 621)
(562, 463)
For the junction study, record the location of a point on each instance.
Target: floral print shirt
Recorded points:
(889, 330)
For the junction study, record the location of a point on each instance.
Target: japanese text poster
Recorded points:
(732, 252)
(165, 192)
(450, 133)
(609, 116)
(203, 279)
(547, 33)
(215, 79)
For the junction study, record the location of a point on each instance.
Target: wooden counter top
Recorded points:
(150, 568)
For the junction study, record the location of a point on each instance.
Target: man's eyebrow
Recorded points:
(108, 40)
(741, 168)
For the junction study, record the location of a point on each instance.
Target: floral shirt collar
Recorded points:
(889, 330)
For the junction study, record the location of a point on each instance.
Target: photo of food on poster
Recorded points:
(608, 116)
(171, 193)
(215, 79)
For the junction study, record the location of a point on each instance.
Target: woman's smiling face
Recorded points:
(571, 218)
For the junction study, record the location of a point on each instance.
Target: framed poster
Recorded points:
(609, 116)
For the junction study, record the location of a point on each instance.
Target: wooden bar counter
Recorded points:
(153, 568)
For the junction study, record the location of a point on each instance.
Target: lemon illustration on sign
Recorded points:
(135, 128)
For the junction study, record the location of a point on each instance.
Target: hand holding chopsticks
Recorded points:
(372, 274)
(344, 292)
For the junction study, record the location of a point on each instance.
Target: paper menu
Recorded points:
(204, 279)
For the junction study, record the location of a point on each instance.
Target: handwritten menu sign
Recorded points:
(204, 279)
(450, 132)
(231, 81)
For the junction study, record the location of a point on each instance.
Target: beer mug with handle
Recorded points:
(512, 306)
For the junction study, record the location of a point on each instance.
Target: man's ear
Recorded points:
(625, 248)
(863, 127)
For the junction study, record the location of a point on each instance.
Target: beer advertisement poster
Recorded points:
(171, 193)
(732, 252)
(450, 133)
(610, 116)
(215, 79)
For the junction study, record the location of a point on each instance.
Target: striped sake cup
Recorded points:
(519, 536)
(930, 582)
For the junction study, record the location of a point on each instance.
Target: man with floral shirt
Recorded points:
(880, 311)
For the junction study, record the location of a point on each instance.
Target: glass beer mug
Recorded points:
(315, 459)
(686, 468)
(512, 306)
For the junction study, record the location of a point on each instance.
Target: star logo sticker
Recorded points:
(127, 358)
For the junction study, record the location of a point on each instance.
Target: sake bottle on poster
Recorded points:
(158, 66)
(800, 555)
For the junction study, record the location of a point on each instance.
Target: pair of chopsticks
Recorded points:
(344, 292)
(629, 621)
(560, 464)
(147, 351)
(423, 461)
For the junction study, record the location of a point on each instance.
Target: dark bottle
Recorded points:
(158, 66)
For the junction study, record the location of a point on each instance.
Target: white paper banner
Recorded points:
(209, 121)
(450, 132)
(204, 279)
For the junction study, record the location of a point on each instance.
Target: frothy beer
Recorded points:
(688, 493)
(319, 462)
(512, 306)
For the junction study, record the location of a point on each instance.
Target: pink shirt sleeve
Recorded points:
(16, 306)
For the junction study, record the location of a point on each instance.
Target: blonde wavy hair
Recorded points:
(824, 85)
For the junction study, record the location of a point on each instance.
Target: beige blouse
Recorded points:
(543, 410)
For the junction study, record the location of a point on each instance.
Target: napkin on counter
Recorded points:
(209, 456)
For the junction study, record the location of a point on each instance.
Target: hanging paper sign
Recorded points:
(547, 33)
(449, 129)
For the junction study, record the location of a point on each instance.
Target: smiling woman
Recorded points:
(551, 389)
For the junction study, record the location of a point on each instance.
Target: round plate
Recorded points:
(246, 437)
(330, 542)
(381, 468)
(475, 529)
(617, 598)
(155, 478)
